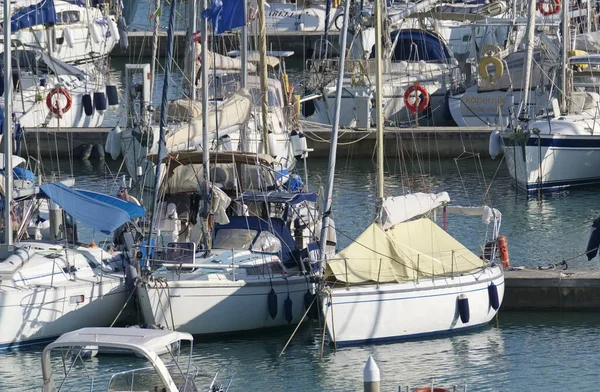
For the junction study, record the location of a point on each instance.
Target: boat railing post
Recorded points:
(418, 262)
(371, 376)
(379, 272)
(452, 265)
(232, 266)
(346, 266)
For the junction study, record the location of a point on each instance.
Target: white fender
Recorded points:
(115, 143)
(495, 143)
(95, 32)
(114, 30)
(273, 147)
(108, 143)
(68, 37)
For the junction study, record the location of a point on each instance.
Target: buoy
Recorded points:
(272, 303)
(371, 376)
(88, 106)
(287, 308)
(86, 151)
(493, 295)
(273, 147)
(463, 309)
(112, 94)
(495, 143)
(108, 142)
(114, 30)
(68, 37)
(115, 143)
(95, 32)
(503, 249)
(97, 151)
(421, 100)
(100, 101)
(123, 34)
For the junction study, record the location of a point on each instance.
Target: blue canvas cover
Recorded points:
(275, 226)
(36, 14)
(277, 197)
(415, 45)
(104, 215)
(225, 15)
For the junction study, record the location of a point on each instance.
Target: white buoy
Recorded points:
(114, 30)
(273, 146)
(115, 142)
(371, 377)
(95, 32)
(495, 143)
(68, 37)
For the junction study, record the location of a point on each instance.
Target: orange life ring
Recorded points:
(54, 106)
(419, 104)
(549, 7)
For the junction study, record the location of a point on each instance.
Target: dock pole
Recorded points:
(371, 376)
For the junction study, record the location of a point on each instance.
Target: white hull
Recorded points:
(210, 307)
(566, 161)
(368, 313)
(35, 314)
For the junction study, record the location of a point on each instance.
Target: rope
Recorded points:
(124, 306)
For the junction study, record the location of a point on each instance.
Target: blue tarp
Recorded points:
(416, 45)
(277, 197)
(132, 209)
(104, 214)
(43, 12)
(225, 15)
(274, 226)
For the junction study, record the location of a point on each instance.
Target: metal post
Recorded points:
(264, 88)
(371, 377)
(8, 123)
(205, 145)
(192, 9)
(244, 51)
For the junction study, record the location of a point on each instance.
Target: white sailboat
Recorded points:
(559, 148)
(404, 276)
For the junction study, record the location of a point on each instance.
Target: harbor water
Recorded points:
(517, 351)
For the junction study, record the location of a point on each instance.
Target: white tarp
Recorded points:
(402, 208)
(487, 213)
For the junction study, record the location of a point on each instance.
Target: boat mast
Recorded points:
(205, 144)
(528, 57)
(154, 46)
(379, 97)
(162, 144)
(8, 183)
(262, 39)
(244, 49)
(334, 135)
(192, 27)
(564, 55)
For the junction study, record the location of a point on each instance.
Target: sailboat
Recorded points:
(404, 276)
(556, 146)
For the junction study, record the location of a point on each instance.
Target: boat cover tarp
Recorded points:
(234, 111)
(274, 226)
(277, 197)
(104, 215)
(399, 209)
(33, 15)
(408, 251)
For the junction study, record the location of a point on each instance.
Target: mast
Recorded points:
(204, 77)
(334, 135)
(528, 57)
(244, 49)
(264, 92)
(191, 61)
(154, 46)
(162, 147)
(379, 97)
(564, 56)
(8, 184)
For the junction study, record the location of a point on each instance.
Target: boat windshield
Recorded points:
(234, 238)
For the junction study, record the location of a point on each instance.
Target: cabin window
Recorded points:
(267, 243)
(67, 17)
(234, 238)
(257, 98)
(265, 269)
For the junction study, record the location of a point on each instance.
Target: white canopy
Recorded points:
(402, 208)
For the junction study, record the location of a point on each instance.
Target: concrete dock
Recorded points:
(445, 142)
(563, 290)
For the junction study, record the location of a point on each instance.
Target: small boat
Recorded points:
(171, 372)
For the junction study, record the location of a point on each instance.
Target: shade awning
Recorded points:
(99, 212)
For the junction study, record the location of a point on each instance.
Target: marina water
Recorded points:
(517, 351)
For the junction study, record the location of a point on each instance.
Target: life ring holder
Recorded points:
(483, 72)
(55, 108)
(337, 18)
(549, 7)
(419, 104)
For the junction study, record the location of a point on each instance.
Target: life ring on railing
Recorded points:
(55, 107)
(549, 7)
(420, 103)
(489, 61)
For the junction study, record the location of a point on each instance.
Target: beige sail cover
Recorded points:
(418, 248)
(233, 111)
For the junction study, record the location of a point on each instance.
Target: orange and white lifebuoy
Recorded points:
(54, 105)
(421, 98)
(549, 7)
